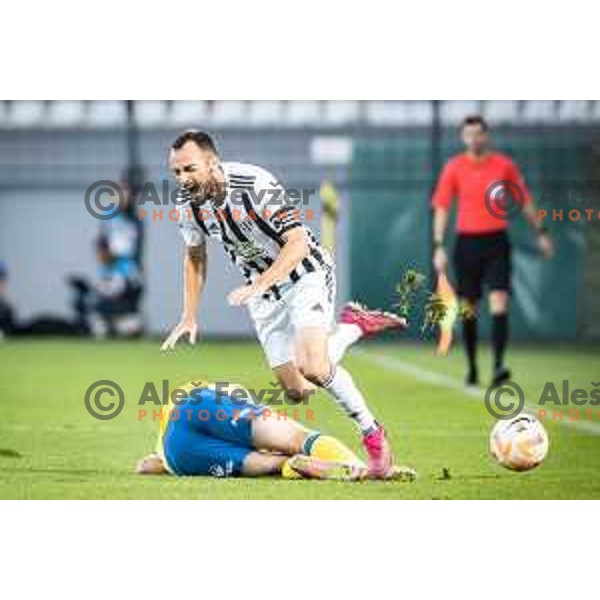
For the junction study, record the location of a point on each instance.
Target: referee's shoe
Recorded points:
(501, 374)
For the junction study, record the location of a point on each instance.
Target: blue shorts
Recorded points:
(209, 434)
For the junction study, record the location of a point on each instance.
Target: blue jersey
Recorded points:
(207, 433)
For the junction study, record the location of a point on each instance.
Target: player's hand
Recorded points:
(546, 245)
(244, 294)
(440, 260)
(187, 326)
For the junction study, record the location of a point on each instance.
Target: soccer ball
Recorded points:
(520, 443)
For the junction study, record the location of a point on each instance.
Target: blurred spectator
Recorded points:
(7, 318)
(119, 255)
(124, 232)
(116, 298)
(110, 306)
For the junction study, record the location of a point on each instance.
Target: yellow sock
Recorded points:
(330, 449)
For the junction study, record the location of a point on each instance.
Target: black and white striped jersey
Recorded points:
(250, 224)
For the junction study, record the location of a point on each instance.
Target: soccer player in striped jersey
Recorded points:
(290, 280)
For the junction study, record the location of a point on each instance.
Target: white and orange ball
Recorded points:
(520, 443)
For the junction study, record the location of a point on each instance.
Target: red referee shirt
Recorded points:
(468, 180)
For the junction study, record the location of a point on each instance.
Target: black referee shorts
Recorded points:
(482, 259)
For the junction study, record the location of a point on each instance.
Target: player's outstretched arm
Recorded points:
(194, 277)
(290, 256)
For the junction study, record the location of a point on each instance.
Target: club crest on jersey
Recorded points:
(248, 250)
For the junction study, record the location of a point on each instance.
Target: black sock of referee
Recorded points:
(499, 338)
(470, 342)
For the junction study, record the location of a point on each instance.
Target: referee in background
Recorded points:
(489, 189)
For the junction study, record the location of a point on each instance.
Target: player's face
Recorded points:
(475, 138)
(196, 171)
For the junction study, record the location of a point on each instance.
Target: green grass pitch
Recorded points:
(50, 447)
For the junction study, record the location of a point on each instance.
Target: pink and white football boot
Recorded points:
(370, 321)
(379, 451)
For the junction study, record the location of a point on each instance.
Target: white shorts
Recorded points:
(307, 303)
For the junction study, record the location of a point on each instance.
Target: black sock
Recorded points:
(499, 337)
(470, 341)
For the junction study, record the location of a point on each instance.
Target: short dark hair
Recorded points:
(474, 120)
(202, 139)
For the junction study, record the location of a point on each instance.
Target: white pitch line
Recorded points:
(426, 376)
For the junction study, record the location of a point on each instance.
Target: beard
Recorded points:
(199, 192)
(203, 192)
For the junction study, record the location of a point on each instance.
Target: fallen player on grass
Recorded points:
(210, 433)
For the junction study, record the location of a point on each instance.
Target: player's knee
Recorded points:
(297, 388)
(298, 394)
(498, 302)
(296, 442)
(316, 371)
